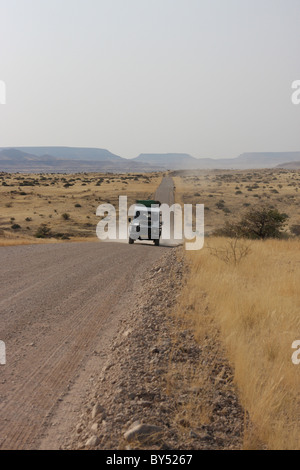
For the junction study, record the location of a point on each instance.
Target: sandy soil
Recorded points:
(59, 307)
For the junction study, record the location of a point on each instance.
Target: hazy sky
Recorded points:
(211, 78)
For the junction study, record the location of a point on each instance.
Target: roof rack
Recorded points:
(148, 203)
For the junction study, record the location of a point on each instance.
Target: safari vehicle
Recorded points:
(146, 223)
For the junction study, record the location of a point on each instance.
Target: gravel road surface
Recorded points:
(59, 307)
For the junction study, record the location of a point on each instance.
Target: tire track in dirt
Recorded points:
(37, 376)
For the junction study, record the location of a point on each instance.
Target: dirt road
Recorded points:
(59, 308)
(165, 192)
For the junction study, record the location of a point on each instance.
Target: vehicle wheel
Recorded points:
(131, 241)
(156, 241)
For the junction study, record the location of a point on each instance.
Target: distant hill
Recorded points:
(73, 153)
(266, 159)
(16, 160)
(79, 159)
(180, 161)
(290, 165)
(14, 155)
(168, 160)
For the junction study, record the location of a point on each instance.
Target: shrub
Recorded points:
(258, 223)
(66, 216)
(295, 230)
(220, 204)
(62, 236)
(233, 252)
(43, 232)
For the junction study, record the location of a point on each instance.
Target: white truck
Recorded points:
(146, 223)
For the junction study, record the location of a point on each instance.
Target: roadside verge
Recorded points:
(151, 393)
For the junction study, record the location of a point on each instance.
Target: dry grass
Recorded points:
(29, 201)
(226, 194)
(11, 240)
(255, 303)
(246, 296)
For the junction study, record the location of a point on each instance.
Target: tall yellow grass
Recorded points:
(255, 304)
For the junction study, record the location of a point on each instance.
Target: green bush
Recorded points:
(43, 232)
(258, 223)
